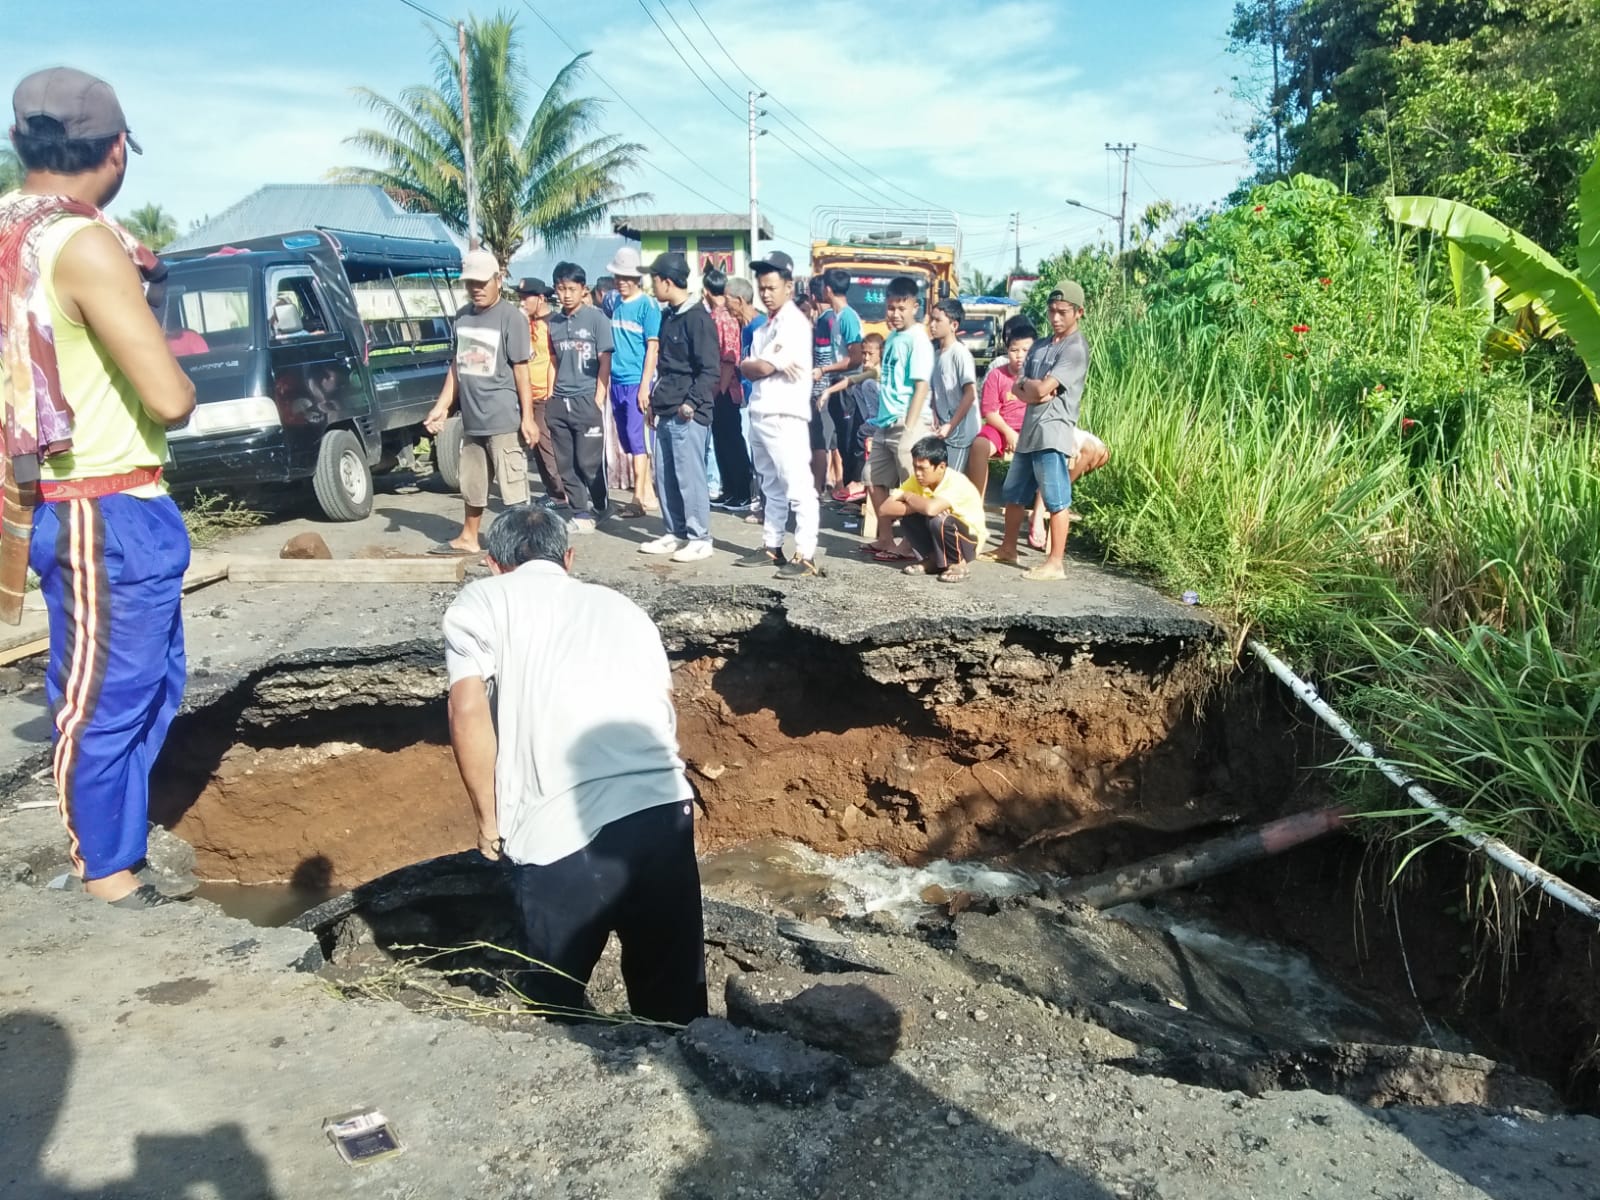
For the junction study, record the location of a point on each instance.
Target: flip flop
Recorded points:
(446, 550)
(994, 556)
(892, 556)
(143, 896)
(1043, 574)
(958, 574)
(868, 549)
(919, 568)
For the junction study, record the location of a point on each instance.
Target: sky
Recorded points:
(986, 108)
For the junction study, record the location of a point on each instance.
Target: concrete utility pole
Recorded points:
(466, 139)
(1122, 218)
(1016, 230)
(755, 219)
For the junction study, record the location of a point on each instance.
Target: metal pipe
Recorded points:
(1552, 885)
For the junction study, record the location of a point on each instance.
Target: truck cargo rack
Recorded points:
(887, 228)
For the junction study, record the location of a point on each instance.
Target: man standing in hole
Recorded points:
(580, 341)
(490, 378)
(575, 780)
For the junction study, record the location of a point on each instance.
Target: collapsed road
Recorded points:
(974, 1045)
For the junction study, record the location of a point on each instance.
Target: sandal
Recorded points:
(994, 556)
(892, 556)
(955, 574)
(919, 568)
(1044, 573)
(446, 550)
(143, 896)
(633, 510)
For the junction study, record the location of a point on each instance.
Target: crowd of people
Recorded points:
(765, 403)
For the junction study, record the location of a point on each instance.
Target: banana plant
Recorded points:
(1491, 262)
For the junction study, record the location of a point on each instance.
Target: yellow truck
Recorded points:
(874, 245)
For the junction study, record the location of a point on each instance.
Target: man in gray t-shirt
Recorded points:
(489, 376)
(954, 385)
(1052, 386)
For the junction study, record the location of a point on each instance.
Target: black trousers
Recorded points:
(544, 456)
(733, 456)
(942, 540)
(852, 440)
(639, 879)
(579, 443)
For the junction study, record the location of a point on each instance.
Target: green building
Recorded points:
(706, 239)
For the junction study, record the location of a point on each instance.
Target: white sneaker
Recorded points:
(694, 552)
(665, 544)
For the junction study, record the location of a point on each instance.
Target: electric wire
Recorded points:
(1198, 159)
(429, 13)
(650, 125)
(896, 191)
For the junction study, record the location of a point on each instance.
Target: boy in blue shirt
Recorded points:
(635, 340)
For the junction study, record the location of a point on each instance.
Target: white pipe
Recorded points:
(1551, 885)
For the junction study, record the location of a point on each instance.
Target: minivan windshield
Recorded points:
(209, 309)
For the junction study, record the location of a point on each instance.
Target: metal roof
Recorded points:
(285, 207)
(632, 227)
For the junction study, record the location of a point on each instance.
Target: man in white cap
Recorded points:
(490, 378)
(635, 342)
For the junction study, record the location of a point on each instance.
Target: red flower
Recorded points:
(1302, 328)
(1325, 281)
(1259, 208)
(1406, 423)
(1377, 387)
(1286, 354)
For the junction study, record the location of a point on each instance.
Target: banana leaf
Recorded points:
(1589, 226)
(1472, 283)
(1529, 274)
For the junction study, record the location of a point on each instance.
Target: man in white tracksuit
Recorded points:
(780, 415)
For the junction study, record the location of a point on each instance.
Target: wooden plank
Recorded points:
(23, 650)
(348, 570)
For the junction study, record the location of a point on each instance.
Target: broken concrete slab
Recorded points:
(748, 1065)
(861, 1016)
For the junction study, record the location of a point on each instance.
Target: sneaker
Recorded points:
(767, 556)
(665, 544)
(694, 552)
(800, 568)
(582, 523)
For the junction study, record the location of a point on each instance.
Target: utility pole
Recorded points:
(1276, 108)
(1016, 229)
(466, 139)
(1126, 151)
(755, 219)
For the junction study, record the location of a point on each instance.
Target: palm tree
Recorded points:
(152, 225)
(539, 174)
(10, 170)
(979, 284)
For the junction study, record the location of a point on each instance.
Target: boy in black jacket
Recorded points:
(680, 410)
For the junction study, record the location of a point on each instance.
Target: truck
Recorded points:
(315, 356)
(874, 245)
(983, 327)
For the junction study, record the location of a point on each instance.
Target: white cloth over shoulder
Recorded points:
(583, 705)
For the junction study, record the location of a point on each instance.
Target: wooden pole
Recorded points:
(16, 531)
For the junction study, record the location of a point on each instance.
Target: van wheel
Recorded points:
(447, 454)
(343, 481)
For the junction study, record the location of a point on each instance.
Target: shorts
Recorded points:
(629, 420)
(956, 456)
(995, 438)
(824, 436)
(497, 454)
(1043, 471)
(889, 464)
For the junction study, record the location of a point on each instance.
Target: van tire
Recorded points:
(343, 480)
(447, 453)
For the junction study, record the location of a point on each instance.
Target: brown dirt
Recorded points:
(1089, 759)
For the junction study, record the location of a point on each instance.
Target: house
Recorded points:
(706, 239)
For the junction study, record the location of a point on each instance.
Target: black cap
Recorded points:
(775, 260)
(532, 285)
(86, 107)
(671, 266)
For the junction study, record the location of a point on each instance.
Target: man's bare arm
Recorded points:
(473, 738)
(100, 287)
(919, 397)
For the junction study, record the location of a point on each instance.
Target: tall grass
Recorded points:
(1447, 574)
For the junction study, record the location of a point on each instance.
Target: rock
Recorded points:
(858, 1016)
(952, 1118)
(711, 771)
(744, 1064)
(170, 862)
(305, 545)
(934, 894)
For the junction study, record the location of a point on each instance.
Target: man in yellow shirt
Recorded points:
(88, 387)
(940, 513)
(536, 295)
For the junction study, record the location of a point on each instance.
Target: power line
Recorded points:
(650, 125)
(895, 192)
(673, 46)
(429, 13)
(1198, 158)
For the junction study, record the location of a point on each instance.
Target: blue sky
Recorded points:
(986, 108)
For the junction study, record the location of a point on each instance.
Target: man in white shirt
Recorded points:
(577, 781)
(780, 422)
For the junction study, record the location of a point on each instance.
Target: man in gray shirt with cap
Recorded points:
(1052, 387)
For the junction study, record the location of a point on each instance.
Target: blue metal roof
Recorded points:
(286, 207)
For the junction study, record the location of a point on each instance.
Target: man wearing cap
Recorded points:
(490, 378)
(89, 389)
(1052, 387)
(536, 295)
(681, 406)
(635, 343)
(780, 422)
